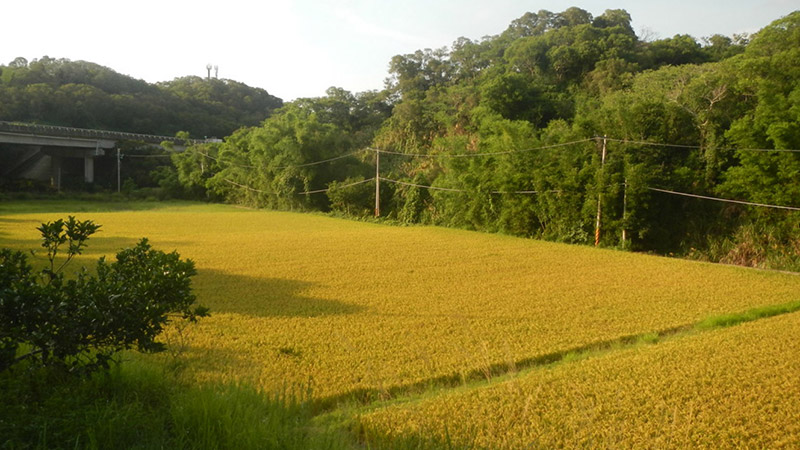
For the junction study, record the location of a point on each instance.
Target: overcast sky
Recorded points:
(299, 48)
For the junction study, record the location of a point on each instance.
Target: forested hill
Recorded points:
(500, 134)
(86, 95)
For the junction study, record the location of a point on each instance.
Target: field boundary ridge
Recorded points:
(375, 398)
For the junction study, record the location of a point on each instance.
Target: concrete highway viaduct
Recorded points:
(51, 153)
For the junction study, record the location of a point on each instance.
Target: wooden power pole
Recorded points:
(600, 195)
(119, 168)
(377, 183)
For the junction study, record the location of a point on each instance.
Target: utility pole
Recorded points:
(600, 194)
(377, 183)
(624, 212)
(119, 164)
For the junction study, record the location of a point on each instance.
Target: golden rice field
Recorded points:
(737, 387)
(349, 306)
(362, 310)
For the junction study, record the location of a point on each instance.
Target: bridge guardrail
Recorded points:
(54, 130)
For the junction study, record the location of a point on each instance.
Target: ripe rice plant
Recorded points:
(369, 311)
(736, 387)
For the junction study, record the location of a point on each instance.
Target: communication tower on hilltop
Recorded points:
(208, 68)
(216, 71)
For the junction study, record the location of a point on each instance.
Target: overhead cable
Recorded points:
(434, 188)
(477, 155)
(320, 162)
(318, 191)
(696, 147)
(704, 197)
(246, 166)
(289, 166)
(339, 187)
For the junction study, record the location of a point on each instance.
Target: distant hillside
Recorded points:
(86, 95)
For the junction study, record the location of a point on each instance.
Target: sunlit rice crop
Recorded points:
(342, 307)
(736, 387)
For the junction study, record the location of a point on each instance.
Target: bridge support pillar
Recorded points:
(55, 173)
(88, 168)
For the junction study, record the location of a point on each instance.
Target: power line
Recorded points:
(527, 192)
(477, 155)
(697, 147)
(339, 187)
(318, 191)
(248, 187)
(474, 155)
(246, 166)
(314, 163)
(434, 188)
(651, 144)
(322, 161)
(704, 197)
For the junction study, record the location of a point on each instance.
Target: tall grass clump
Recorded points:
(46, 408)
(727, 320)
(241, 417)
(139, 406)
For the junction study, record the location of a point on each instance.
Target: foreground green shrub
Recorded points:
(80, 323)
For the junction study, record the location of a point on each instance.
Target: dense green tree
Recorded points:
(677, 50)
(720, 47)
(276, 164)
(413, 74)
(612, 18)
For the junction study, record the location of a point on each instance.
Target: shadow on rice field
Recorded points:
(266, 297)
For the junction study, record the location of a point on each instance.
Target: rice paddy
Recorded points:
(355, 311)
(729, 388)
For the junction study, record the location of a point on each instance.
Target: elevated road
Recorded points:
(38, 151)
(51, 131)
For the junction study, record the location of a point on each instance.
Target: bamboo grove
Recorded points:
(505, 134)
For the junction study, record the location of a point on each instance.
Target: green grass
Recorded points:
(727, 320)
(135, 406)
